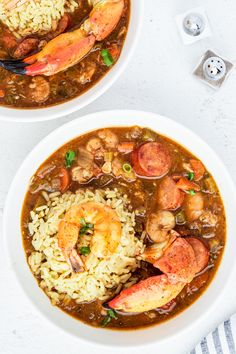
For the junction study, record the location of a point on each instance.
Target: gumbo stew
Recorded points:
(66, 57)
(123, 228)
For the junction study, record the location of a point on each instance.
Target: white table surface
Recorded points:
(158, 79)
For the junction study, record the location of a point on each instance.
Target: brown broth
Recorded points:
(91, 313)
(64, 86)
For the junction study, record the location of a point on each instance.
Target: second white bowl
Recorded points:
(192, 317)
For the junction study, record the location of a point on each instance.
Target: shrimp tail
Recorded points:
(76, 262)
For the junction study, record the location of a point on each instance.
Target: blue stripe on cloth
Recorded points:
(229, 337)
(204, 346)
(217, 342)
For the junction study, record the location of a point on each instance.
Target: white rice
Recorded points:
(35, 16)
(104, 276)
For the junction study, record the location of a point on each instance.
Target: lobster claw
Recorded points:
(104, 17)
(147, 295)
(179, 266)
(69, 48)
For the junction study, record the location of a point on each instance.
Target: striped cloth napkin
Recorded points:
(221, 341)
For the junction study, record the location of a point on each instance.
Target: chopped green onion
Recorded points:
(86, 227)
(69, 158)
(191, 192)
(85, 251)
(191, 176)
(83, 222)
(127, 168)
(106, 321)
(107, 57)
(111, 314)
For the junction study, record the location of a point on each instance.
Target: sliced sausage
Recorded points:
(178, 261)
(201, 253)
(151, 159)
(193, 206)
(109, 138)
(26, 47)
(169, 196)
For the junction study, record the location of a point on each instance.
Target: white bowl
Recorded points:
(60, 110)
(191, 317)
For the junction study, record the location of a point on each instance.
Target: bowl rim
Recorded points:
(126, 118)
(31, 115)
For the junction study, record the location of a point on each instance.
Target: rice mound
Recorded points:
(104, 276)
(35, 16)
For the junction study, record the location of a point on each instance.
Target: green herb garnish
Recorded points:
(105, 321)
(191, 176)
(69, 158)
(85, 251)
(107, 57)
(127, 168)
(191, 192)
(111, 314)
(83, 222)
(85, 227)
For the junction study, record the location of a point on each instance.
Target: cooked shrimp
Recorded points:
(109, 138)
(85, 169)
(86, 74)
(208, 219)
(159, 224)
(39, 89)
(193, 206)
(81, 175)
(94, 146)
(106, 232)
(154, 252)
